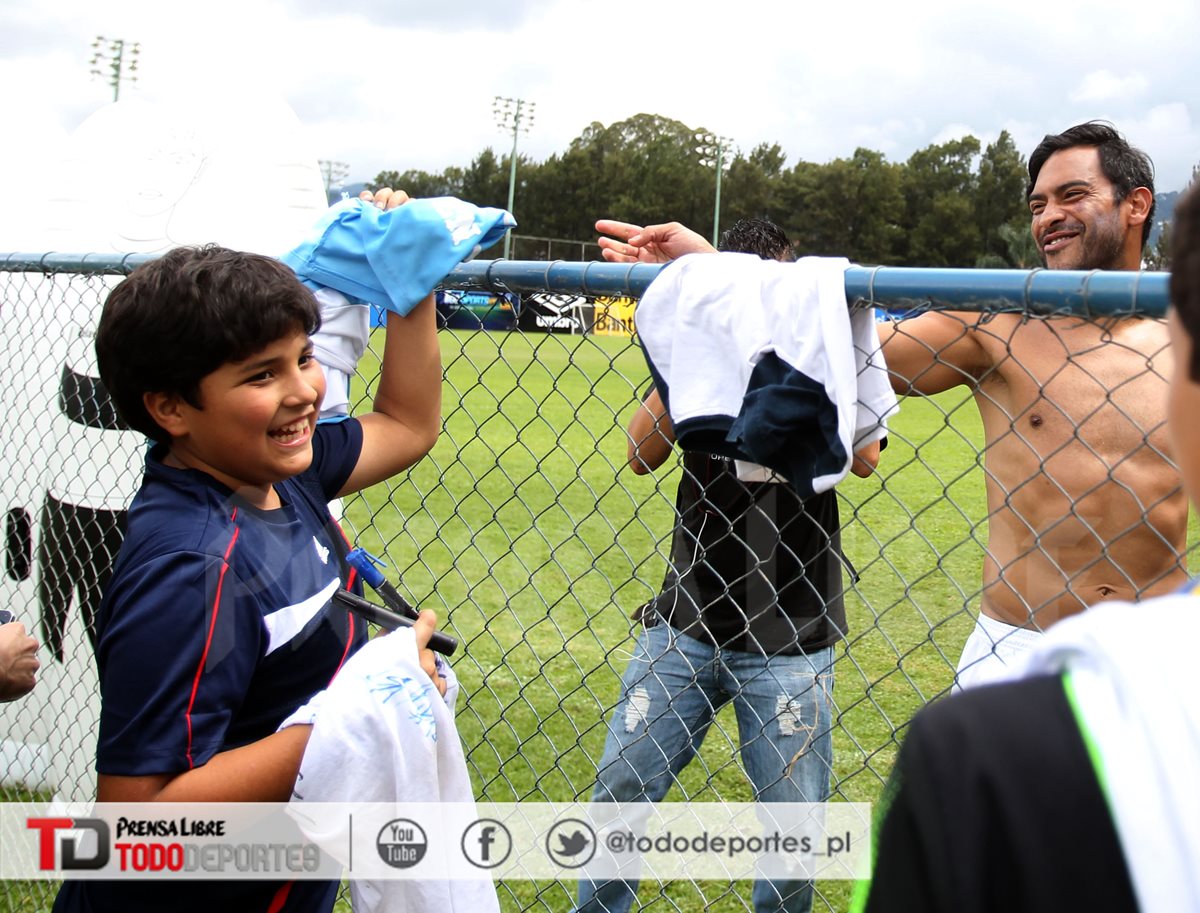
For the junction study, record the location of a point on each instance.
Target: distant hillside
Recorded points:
(1164, 212)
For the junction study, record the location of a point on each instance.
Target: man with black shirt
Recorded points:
(749, 613)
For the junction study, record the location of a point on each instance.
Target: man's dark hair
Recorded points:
(1185, 270)
(1125, 166)
(177, 319)
(757, 236)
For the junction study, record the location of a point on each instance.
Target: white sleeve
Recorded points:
(876, 399)
(338, 345)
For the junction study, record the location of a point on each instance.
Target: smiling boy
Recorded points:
(217, 623)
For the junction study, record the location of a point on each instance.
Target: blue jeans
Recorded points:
(670, 692)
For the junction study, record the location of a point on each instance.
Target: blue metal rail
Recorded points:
(892, 288)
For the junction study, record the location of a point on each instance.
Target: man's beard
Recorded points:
(1101, 246)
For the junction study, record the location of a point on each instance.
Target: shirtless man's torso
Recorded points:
(1084, 503)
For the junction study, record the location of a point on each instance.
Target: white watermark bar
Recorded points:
(451, 841)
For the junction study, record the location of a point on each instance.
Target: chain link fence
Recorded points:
(528, 533)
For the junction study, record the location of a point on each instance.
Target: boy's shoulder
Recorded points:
(177, 511)
(186, 510)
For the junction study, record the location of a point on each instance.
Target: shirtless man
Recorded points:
(1083, 502)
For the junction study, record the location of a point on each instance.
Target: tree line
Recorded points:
(953, 204)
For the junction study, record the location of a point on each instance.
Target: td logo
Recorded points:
(70, 845)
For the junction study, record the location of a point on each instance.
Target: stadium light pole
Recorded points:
(714, 153)
(333, 173)
(513, 114)
(117, 58)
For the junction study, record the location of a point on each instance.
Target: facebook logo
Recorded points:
(487, 836)
(486, 843)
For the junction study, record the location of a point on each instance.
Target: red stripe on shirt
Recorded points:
(353, 570)
(212, 626)
(346, 652)
(280, 897)
(338, 526)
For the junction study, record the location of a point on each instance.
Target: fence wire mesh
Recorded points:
(528, 533)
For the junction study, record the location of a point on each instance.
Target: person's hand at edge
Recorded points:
(18, 661)
(624, 242)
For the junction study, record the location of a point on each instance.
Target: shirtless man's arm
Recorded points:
(934, 352)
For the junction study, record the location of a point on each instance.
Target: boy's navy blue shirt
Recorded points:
(215, 627)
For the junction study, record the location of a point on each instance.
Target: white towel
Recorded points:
(382, 733)
(761, 361)
(1131, 668)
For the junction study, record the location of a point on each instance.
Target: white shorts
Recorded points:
(993, 652)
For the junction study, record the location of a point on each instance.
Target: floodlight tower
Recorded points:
(714, 153)
(117, 58)
(513, 114)
(333, 173)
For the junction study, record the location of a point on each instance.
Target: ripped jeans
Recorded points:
(673, 687)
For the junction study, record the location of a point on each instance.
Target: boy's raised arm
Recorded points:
(407, 414)
(393, 260)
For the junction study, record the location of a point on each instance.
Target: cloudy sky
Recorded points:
(402, 84)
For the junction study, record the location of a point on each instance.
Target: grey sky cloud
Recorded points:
(30, 31)
(396, 85)
(466, 15)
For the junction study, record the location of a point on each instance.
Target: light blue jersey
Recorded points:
(394, 258)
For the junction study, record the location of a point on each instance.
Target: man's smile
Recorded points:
(1058, 238)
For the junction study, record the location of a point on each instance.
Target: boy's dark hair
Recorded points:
(1125, 166)
(1185, 270)
(757, 236)
(176, 319)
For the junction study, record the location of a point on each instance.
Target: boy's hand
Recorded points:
(18, 661)
(385, 198)
(423, 628)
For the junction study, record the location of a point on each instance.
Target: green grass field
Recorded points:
(533, 543)
(527, 535)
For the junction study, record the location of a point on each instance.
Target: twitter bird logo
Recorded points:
(571, 843)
